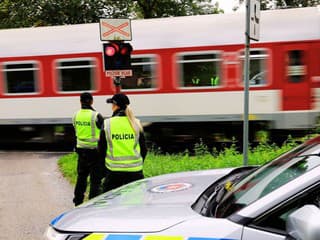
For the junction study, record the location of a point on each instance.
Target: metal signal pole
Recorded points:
(252, 32)
(246, 86)
(117, 84)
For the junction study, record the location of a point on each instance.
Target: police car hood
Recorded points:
(149, 205)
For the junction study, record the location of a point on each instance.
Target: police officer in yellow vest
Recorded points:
(122, 144)
(87, 124)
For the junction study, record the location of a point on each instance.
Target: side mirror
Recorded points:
(304, 223)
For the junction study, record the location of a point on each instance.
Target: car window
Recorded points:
(275, 220)
(210, 197)
(268, 178)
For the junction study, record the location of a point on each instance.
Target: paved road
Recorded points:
(32, 192)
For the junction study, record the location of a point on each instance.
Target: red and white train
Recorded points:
(187, 75)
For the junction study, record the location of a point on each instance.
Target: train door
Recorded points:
(315, 77)
(296, 88)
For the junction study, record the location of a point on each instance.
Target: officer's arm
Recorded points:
(143, 147)
(99, 121)
(102, 144)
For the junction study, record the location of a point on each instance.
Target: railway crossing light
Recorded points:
(125, 50)
(117, 55)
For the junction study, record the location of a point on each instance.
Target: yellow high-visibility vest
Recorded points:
(123, 151)
(87, 133)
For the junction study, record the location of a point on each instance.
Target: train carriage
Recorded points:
(187, 78)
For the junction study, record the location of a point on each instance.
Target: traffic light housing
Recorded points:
(117, 56)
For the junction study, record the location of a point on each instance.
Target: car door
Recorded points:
(272, 224)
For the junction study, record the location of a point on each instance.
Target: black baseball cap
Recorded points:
(120, 100)
(86, 97)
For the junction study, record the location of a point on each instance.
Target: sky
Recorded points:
(227, 5)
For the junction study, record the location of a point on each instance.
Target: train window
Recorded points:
(296, 70)
(20, 77)
(200, 69)
(258, 66)
(143, 68)
(76, 74)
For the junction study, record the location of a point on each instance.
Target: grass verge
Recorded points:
(158, 164)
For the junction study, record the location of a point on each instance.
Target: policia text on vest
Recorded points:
(122, 136)
(82, 123)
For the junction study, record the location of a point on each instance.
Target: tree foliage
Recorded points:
(169, 8)
(296, 3)
(273, 4)
(27, 13)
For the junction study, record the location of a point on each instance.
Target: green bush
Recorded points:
(158, 164)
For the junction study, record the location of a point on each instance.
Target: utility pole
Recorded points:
(252, 32)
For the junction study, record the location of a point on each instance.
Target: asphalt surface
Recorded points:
(32, 193)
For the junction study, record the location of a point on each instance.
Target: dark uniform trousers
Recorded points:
(117, 179)
(89, 164)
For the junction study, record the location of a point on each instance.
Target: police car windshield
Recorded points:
(268, 178)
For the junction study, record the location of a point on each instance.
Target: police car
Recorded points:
(279, 200)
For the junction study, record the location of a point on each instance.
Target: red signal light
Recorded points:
(110, 50)
(117, 55)
(124, 50)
